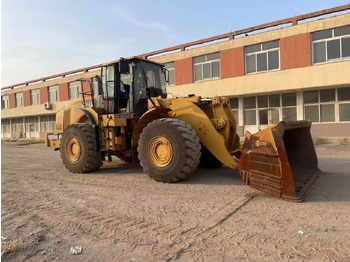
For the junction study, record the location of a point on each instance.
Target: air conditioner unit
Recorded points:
(47, 105)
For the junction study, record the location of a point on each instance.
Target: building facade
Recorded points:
(299, 71)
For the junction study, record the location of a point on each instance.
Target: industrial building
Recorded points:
(293, 69)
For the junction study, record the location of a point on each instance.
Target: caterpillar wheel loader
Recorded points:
(133, 119)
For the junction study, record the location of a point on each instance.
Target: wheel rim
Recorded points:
(73, 149)
(160, 151)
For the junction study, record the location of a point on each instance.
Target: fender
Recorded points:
(89, 115)
(149, 116)
(75, 113)
(207, 133)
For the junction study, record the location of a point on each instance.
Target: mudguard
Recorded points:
(75, 113)
(190, 113)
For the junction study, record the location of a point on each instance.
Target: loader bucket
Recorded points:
(280, 160)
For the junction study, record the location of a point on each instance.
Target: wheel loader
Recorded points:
(133, 118)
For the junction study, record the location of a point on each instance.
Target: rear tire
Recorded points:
(78, 149)
(169, 150)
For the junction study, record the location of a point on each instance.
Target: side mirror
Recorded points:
(99, 84)
(144, 93)
(123, 66)
(166, 75)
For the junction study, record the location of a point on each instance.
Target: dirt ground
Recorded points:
(120, 214)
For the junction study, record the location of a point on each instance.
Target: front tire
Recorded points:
(169, 150)
(78, 149)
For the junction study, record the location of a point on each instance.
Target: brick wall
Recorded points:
(44, 95)
(183, 71)
(26, 98)
(232, 62)
(295, 51)
(12, 101)
(63, 92)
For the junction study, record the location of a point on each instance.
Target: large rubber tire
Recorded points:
(181, 146)
(208, 160)
(78, 149)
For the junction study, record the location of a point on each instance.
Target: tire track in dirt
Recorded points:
(188, 237)
(119, 214)
(87, 222)
(91, 223)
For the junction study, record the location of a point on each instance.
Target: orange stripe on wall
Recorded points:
(232, 62)
(183, 71)
(295, 51)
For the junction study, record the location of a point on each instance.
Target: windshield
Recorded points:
(151, 76)
(154, 78)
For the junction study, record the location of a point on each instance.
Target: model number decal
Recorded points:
(202, 128)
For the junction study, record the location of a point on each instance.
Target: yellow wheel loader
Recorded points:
(132, 118)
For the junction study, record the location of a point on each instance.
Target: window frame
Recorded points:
(19, 96)
(78, 90)
(250, 109)
(261, 51)
(17, 127)
(5, 128)
(35, 96)
(319, 105)
(5, 102)
(54, 89)
(235, 109)
(269, 108)
(289, 106)
(326, 40)
(48, 123)
(210, 62)
(336, 104)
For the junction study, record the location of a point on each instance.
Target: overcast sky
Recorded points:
(45, 37)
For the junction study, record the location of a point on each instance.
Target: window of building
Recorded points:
(74, 88)
(331, 45)
(32, 126)
(249, 106)
(323, 105)
(5, 128)
(268, 108)
(35, 96)
(289, 107)
(171, 68)
(47, 123)
(262, 57)
(17, 128)
(319, 105)
(234, 108)
(5, 102)
(54, 94)
(206, 67)
(344, 103)
(19, 99)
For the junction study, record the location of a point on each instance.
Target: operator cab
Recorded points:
(126, 85)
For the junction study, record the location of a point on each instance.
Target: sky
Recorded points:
(45, 37)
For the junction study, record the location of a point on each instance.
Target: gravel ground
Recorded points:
(119, 214)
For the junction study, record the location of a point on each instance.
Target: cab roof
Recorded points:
(131, 58)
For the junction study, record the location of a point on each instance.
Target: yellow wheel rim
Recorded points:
(160, 151)
(73, 149)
